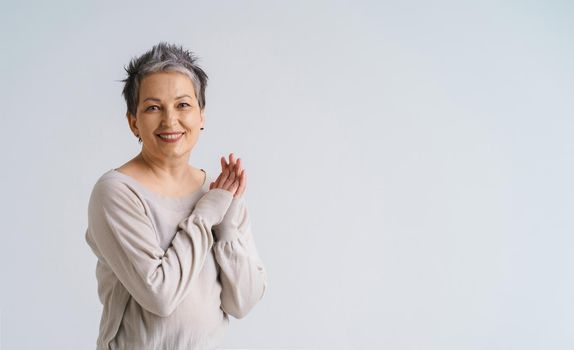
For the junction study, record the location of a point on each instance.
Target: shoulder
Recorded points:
(112, 189)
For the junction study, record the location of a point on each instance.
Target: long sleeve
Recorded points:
(126, 239)
(243, 276)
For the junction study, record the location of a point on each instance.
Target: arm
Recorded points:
(243, 276)
(125, 237)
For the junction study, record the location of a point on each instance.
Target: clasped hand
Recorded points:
(232, 177)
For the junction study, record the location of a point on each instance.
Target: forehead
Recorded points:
(165, 85)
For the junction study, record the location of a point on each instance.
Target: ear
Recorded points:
(132, 123)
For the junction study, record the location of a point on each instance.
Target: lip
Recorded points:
(170, 133)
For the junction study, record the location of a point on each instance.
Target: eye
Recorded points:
(184, 104)
(150, 108)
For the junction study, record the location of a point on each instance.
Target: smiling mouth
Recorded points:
(170, 137)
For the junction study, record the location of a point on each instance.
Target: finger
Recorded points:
(224, 178)
(239, 167)
(241, 188)
(234, 188)
(243, 183)
(223, 163)
(238, 172)
(217, 181)
(230, 178)
(232, 160)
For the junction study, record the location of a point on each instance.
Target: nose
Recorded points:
(169, 116)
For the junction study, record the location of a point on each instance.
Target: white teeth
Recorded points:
(171, 137)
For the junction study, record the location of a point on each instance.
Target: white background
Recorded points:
(409, 164)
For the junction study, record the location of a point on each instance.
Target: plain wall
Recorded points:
(414, 159)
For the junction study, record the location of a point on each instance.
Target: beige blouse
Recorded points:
(170, 269)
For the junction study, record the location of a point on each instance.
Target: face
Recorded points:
(167, 104)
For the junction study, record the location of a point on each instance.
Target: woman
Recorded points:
(175, 251)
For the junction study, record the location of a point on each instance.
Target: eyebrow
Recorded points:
(158, 100)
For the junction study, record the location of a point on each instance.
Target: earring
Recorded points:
(139, 139)
(201, 129)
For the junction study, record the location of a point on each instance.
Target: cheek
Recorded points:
(195, 117)
(193, 122)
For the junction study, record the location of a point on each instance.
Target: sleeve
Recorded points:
(242, 274)
(126, 239)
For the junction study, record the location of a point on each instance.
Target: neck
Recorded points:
(176, 170)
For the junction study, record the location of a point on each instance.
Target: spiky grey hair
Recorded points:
(163, 57)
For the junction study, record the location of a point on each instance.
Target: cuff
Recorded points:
(213, 205)
(228, 228)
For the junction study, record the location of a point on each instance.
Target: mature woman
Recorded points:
(175, 251)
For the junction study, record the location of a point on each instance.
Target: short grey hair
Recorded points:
(163, 57)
